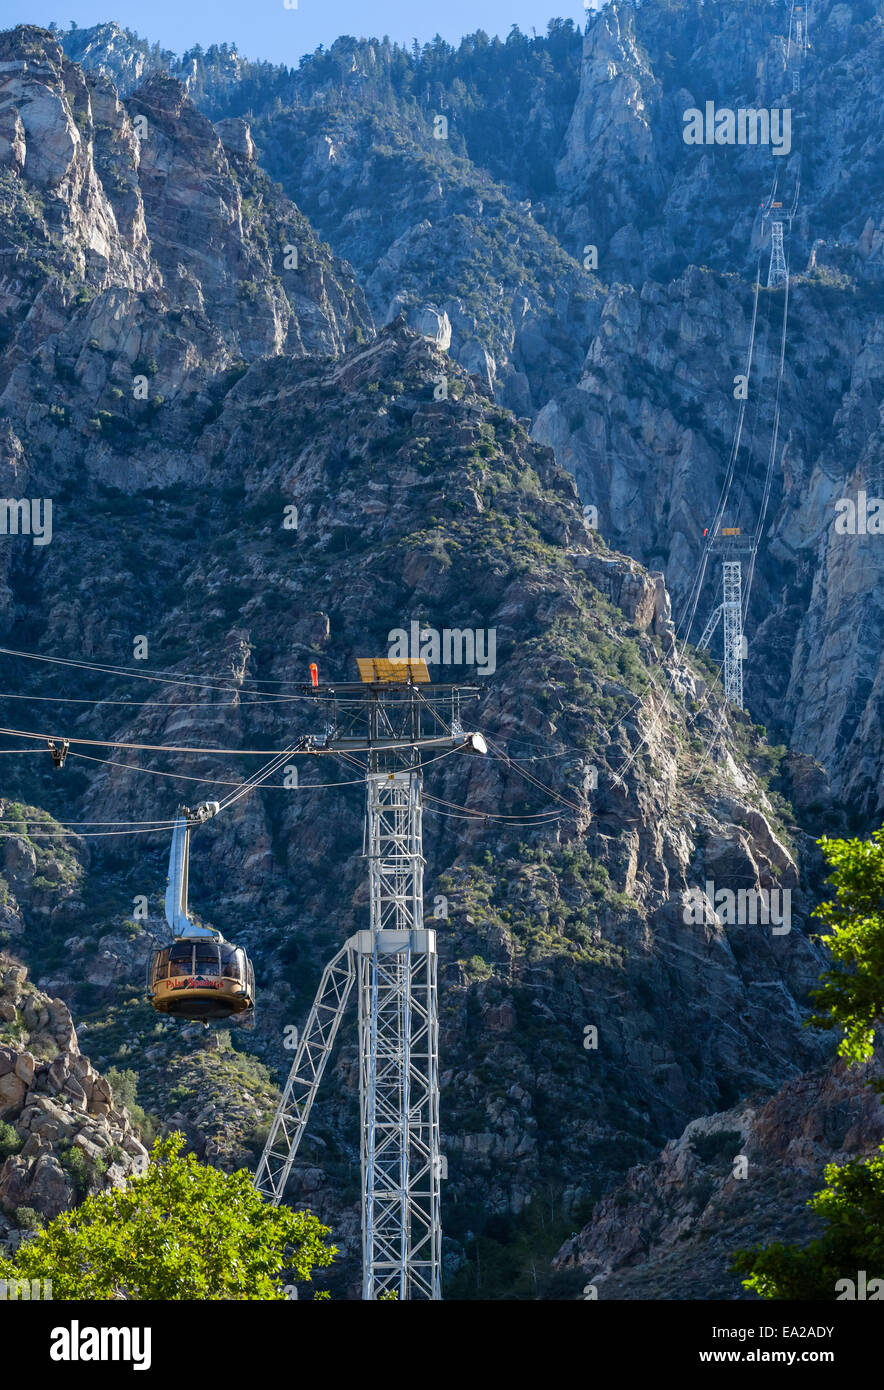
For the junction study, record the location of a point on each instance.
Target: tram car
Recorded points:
(199, 976)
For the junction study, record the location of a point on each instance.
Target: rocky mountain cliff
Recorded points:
(176, 381)
(629, 369)
(144, 217)
(730, 1181)
(61, 1136)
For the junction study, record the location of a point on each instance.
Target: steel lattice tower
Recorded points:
(732, 612)
(398, 1031)
(392, 719)
(777, 274)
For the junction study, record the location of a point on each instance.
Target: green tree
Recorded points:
(182, 1231)
(852, 1206)
(852, 992)
(851, 998)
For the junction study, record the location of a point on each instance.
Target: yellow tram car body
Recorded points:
(196, 978)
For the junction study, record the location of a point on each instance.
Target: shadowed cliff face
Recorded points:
(628, 178)
(731, 1181)
(647, 430)
(647, 433)
(181, 394)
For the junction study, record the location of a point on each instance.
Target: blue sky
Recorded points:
(266, 29)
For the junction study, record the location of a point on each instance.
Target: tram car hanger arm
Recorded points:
(179, 869)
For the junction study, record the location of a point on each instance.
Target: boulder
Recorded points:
(12, 1093)
(236, 137)
(48, 1188)
(20, 859)
(433, 324)
(24, 1067)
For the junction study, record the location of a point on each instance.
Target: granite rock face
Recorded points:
(132, 219)
(56, 1105)
(647, 432)
(730, 1181)
(629, 367)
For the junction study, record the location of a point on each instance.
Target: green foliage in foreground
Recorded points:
(852, 1206)
(182, 1231)
(852, 993)
(852, 999)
